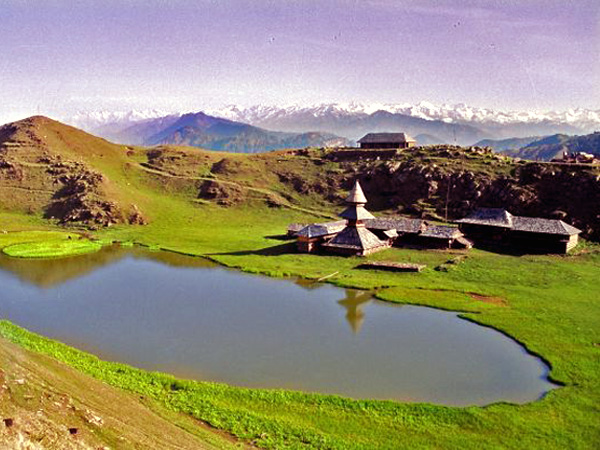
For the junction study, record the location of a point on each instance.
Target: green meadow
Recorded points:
(548, 303)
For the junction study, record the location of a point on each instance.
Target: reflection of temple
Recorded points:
(354, 303)
(47, 273)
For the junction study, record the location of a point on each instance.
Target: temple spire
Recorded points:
(356, 210)
(356, 195)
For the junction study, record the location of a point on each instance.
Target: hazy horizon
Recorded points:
(61, 57)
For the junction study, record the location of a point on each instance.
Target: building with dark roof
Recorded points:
(361, 233)
(386, 140)
(499, 227)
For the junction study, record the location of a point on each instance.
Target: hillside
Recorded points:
(52, 406)
(58, 171)
(49, 168)
(503, 145)
(552, 147)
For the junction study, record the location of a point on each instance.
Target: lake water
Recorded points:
(183, 315)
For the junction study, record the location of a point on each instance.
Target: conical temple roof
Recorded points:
(356, 212)
(356, 238)
(356, 195)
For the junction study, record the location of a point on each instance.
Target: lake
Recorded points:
(185, 316)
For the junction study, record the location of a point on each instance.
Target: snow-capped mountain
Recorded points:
(91, 120)
(461, 124)
(584, 119)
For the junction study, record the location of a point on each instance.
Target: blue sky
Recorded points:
(62, 56)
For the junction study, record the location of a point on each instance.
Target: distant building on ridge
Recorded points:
(386, 140)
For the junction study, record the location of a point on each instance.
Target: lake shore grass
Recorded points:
(46, 244)
(51, 249)
(548, 303)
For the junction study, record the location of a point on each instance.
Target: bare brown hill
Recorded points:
(51, 168)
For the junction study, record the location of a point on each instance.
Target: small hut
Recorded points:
(386, 140)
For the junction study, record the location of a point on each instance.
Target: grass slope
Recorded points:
(44, 398)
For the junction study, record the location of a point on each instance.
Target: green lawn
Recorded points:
(551, 304)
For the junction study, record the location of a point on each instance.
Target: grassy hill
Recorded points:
(553, 146)
(57, 171)
(64, 173)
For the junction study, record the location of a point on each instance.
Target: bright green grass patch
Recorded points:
(51, 249)
(20, 237)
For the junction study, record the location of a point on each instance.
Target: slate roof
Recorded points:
(322, 229)
(547, 226)
(356, 195)
(356, 238)
(376, 138)
(400, 224)
(356, 212)
(294, 228)
(390, 234)
(494, 217)
(441, 232)
(498, 217)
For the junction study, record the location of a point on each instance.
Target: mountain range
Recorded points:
(429, 124)
(205, 131)
(483, 122)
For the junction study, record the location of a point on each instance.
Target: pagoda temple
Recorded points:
(355, 238)
(360, 234)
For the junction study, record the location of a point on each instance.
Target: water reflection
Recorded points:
(184, 315)
(354, 304)
(48, 273)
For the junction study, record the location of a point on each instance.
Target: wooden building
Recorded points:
(362, 234)
(498, 227)
(312, 236)
(386, 140)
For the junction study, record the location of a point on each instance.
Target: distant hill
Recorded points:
(212, 133)
(137, 132)
(553, 146)
(428, 139)
(502, 145)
